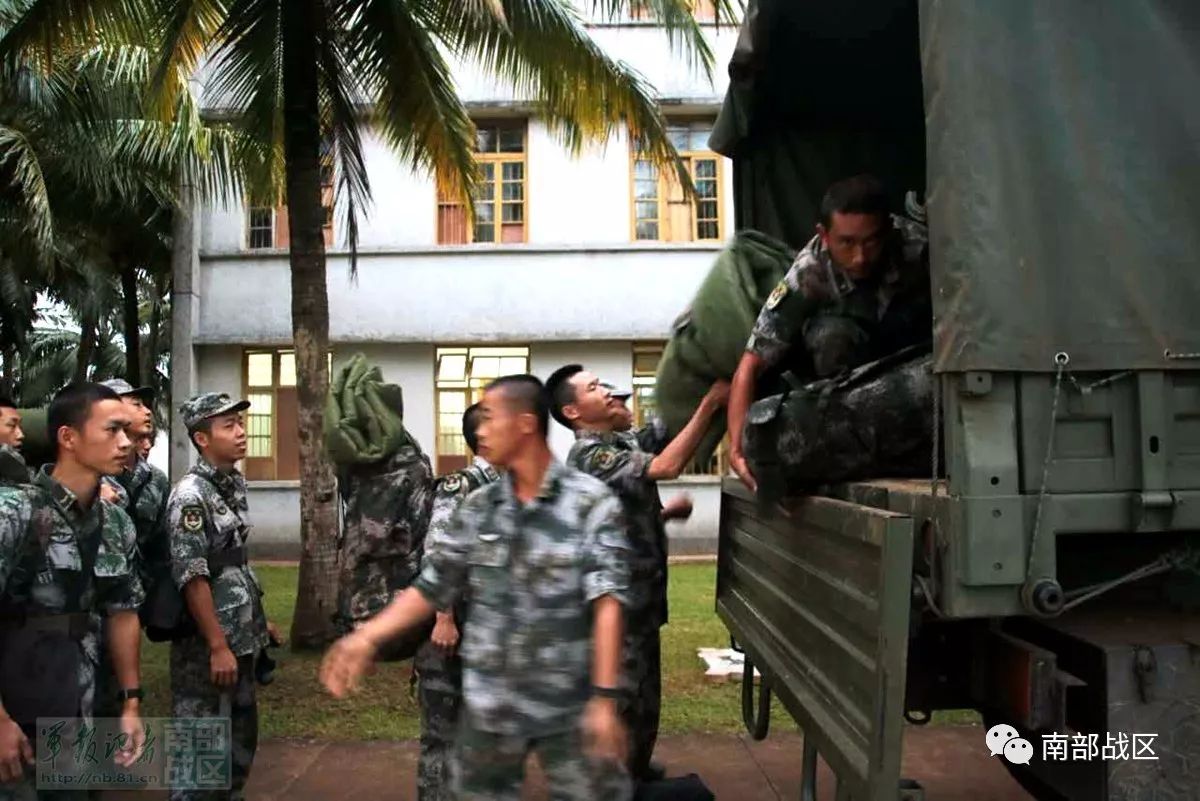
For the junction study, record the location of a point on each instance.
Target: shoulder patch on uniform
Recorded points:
(777, 295)
(191, 518)
(452, 483)
(604, 458)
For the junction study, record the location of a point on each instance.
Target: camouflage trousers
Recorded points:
(641, 680)
(193, 695)
(440, 693)
(491, 767)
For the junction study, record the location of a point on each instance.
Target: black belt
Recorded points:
(219, 560)
(74, 624)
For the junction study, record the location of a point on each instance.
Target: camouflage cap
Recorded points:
(619, 394)
(123, 388)
(207, 405)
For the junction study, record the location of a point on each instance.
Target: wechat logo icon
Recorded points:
(1003, 740)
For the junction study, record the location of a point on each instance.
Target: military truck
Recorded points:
(1044, 573)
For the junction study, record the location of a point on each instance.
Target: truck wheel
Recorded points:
(1029, 781)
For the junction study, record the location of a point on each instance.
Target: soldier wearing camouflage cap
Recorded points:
(208, 523)
(141, 489)
(606, 449)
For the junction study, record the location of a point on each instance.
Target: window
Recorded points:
(460, 375)
(272, 451)
(499, 195)
(267, 227)
(661, 212)
(272, 448)
(645, 405)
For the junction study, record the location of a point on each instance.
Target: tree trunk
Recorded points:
(312, 621)
(88, 320)
(133, 334)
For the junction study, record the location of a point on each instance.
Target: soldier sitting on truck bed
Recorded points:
(858, 291)
(581, 403)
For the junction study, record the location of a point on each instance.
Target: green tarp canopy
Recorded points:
(1060, 144)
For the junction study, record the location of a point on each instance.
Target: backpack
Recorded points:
(164, 614)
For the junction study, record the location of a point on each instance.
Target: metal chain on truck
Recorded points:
(1061, 360)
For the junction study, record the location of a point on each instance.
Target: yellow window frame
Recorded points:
(497, 162)
(665, 184)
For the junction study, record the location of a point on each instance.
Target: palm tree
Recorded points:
(301, 73)
(86, 189)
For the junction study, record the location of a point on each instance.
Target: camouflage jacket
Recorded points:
(13, 470)
(893, 307)
(652, 437)
(207, 513)
(385, 517)
(46, 542)
(450, 491)
(533, 570)
(144, 490)
(617, 459)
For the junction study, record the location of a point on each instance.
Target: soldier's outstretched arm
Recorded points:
(443, 575)
(741, 395)
(352, 656)
(670, 463)
(15, 750)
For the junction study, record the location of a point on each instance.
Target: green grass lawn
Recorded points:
(296, 706)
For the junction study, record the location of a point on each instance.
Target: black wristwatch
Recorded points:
(607, 692)
(125, 695)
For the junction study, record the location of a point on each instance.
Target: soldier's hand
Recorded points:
(134, 740)
(108, 493)
(222, 667)
(738, 462)
(14, 750)
(277, 639)
(445, 633)
(345, 663)
(604, 736)
(678, 508)
(719, 393)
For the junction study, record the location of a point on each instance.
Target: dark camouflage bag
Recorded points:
(875, 421)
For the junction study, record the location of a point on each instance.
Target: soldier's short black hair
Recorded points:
(72, 405)
(859, 194)
(528, 394)
(7, 402)
(470, 426)
(558, 385)
(204, 426)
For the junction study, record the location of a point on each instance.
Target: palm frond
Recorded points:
(684, 33)
(42, 30)
(25, 187)
(417, 108)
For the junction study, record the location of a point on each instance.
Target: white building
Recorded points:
(575, 259)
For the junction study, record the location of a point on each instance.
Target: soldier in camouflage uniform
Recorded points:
(857, 291)
(212, 671)
(438, 666)
(584, 405)
(66, 566)
(13, 470)
(545, 559)
(141, 489)
(386, 513)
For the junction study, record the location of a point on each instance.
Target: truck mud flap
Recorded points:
(817, 592)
